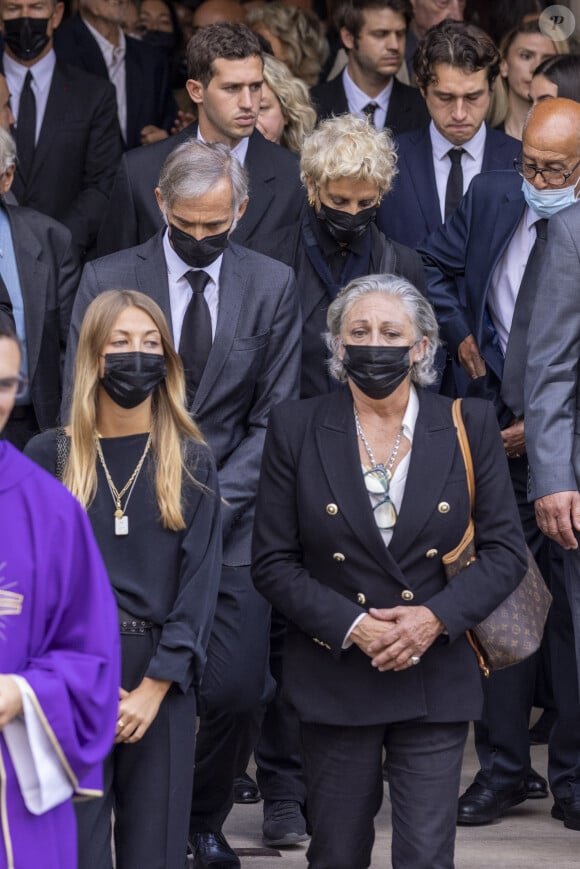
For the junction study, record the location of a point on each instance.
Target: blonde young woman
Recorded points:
(522, 50)
(139, 465)
(286, 113)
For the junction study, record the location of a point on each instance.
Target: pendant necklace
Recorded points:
(386, 469)
(121, 519)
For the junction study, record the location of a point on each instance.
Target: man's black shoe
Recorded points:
(536, 785)
(246, 790)
(284, 823)
(567, 811)
(211, 851)
(480, 805)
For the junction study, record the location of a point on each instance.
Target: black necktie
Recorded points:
(454, 190)
(369, 110)
(195, 341)
(26, 127)
(514, 369)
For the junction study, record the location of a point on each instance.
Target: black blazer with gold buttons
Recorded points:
(318, 556)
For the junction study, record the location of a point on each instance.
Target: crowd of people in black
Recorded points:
(250, 256)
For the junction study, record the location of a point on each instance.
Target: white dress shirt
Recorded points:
(114, 57)
(470, 162)
(507, 277)
(357, 100)
(397, 484)
(180, 291)
(41, 81)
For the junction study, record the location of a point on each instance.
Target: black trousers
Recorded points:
(502, 735)
(564, 632)
(236, 686)
(343, 767)
(147, 784)
(278, 753)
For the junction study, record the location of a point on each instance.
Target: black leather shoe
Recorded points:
(246, 790)
(567, 811)
(480, 805)
(284, 823)
(536, 785)
(212, 850)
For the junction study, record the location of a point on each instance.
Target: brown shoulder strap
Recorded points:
(465, 450)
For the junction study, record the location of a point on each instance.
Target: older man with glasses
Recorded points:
(492, 247)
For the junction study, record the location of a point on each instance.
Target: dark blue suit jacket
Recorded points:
(149, 97)
(411, 210)
(468, 247)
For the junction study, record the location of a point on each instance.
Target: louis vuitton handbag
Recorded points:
(514, 630)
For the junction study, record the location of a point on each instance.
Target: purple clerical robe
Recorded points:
(59, 634)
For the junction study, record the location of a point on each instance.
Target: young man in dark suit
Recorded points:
(67, 132)
(373, 33)
(251, 362)
(225, 82)
(456, 68)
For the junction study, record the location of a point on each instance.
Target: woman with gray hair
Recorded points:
(362, 492)
(347, 166)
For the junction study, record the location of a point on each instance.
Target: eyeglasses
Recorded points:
(377, 484)
(553, 177)
(13, 387)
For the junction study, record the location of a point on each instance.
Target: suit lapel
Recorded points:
(508, 217)
(133, 83)
(151, 272)
(262, 171)
(233, 286)
(422, 175)
(434, 447)
(495, 151)
(33, 276)
(336, 442)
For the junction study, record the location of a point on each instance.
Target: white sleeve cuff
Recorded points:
(43, 781)
(346, 643)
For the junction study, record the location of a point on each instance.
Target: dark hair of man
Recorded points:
(563, 70)
(7, 329)
(350, 13)
(463, 46)
(219, 42)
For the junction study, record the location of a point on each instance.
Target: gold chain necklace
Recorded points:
(122, 520)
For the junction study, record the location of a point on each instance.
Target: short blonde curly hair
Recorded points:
(301, 35)
(295, 102)
(349, 147)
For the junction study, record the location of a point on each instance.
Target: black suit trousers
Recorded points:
(343, 767)
(236, 685)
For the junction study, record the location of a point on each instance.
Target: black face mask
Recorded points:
(165, 42)
(344, 227)
(26, 37)
(377, 371)
(130, 378)
(197, 254)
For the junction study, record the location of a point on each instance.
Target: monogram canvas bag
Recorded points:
(514, 630)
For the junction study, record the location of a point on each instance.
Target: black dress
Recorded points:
(168, 581)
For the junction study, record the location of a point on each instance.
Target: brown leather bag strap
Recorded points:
(465, 450)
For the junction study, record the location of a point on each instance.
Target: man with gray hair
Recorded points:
(39, 272)
(234, 316)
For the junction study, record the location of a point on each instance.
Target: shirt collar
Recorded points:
(240, 151)
(357, 99)
(177, 268)
(411, 414)
(441, 146)
(108, 49)
(41, 71)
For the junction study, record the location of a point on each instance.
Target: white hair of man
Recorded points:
(7, 151)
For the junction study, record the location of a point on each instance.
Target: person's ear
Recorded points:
(195, 90)
(6, 180)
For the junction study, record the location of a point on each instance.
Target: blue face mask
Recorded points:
(547, 203)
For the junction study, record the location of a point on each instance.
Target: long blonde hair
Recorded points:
(171, 426)
(295, 102)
